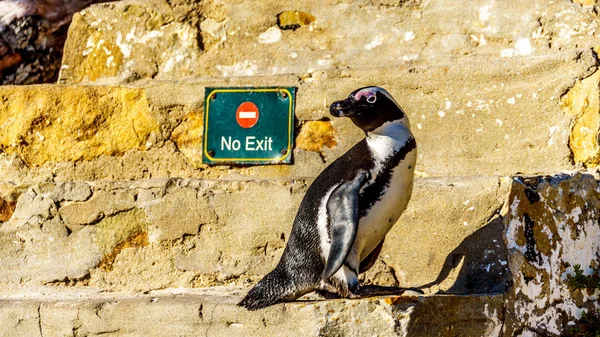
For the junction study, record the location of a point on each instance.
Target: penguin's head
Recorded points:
(369, 108)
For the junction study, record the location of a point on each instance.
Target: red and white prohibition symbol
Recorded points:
(247, 115)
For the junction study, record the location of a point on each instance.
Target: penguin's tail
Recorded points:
(272, 289)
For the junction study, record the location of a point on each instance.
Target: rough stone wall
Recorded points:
(103, 188)
(451, 81)
(192, 231)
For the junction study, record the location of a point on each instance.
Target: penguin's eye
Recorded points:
(371, 99)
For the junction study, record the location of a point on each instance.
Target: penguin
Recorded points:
(344, 216)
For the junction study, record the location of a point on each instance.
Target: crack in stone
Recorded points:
(211, 320)
(76, 326)
(39, 310)
(504, 313)
(71, 281)
(107, 332)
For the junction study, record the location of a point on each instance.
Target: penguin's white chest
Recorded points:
(384, 213)
(382, 216)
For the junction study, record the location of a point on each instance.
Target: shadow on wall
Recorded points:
(480, 264)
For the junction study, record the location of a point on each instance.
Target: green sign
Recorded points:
(248, 125)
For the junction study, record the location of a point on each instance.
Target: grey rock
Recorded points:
(102, 203)
(72, 191)
(19, 318)
(31, 208)
(213, 312)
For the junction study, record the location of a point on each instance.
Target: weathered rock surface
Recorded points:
(461, 220)
(552, 226)
(52, 123)
(153, 234)
(487, 122)
(212, 312)
(549, 224)
(316, 136)
(103, 188)
(582, 102)
(131, 39)
(487, 104)
(242, 39)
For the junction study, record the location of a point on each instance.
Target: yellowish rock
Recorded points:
(99, 59)
(124, 229)
(294, 19)
(100, 205)
(315, 135)
(6, 209)
(127, 40)
(188, 137)
(583, 103)
(72, 123)
(585, 2)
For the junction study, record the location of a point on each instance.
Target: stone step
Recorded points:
(128, 40)
(154, 129)
(151, 234)
(212, 312)
(535, 239)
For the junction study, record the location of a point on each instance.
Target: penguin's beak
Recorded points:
(342, 108)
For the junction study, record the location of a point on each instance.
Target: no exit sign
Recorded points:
(248, 125)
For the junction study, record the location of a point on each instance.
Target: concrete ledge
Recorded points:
(212, 312)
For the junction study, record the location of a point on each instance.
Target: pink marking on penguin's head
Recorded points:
(368, 94)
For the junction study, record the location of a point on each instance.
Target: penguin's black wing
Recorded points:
(342, 210)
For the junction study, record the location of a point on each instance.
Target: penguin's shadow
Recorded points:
(480, 264)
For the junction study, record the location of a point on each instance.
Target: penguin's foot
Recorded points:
(328, 295)
(375, 290)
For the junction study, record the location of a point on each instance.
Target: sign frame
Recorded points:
(285, 158)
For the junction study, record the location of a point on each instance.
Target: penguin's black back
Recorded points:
(302, 254)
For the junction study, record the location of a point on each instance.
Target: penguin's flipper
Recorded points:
(370, 260)
(342, 209)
